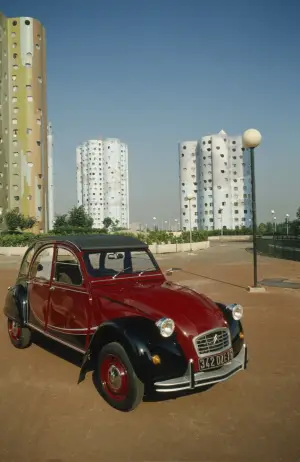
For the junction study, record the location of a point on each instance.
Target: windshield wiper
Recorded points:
(122, 271)
(147, 269)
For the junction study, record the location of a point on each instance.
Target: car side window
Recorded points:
(67, 268)
(42, 265)
(25, 265)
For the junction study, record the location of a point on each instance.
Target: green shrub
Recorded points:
(17, 240)
(66, 230)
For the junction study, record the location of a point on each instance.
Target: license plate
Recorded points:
(211, 362)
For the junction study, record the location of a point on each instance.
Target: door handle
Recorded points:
(52, 288)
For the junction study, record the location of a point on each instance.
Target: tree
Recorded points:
(79, 218)
(262, 229)
(107, 222)
(298, 214)
(60, 220)
(27, 222)
(15, 220)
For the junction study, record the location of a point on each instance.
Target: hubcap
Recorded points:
(114, 377)
(14, 330)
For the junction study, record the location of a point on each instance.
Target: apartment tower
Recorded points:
(23, 119)
(102, 180)
(216, 172)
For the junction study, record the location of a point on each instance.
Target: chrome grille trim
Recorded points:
(204, 343)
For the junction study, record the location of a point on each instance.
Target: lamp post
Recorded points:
(287, 223)
(274, 221)
(166, 223)
(251, 140)
(176, 224)
(154, 221)
(189, 198)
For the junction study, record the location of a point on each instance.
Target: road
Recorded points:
(46, 417)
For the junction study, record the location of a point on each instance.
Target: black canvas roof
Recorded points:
(99, 241)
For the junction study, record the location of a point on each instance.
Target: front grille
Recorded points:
(212, 342)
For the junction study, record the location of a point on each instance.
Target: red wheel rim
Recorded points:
(114, 378)
(14, 330)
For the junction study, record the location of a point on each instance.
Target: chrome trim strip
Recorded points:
(59, 285)
(202, 379)
(72, 330)
(79, 350)
(212, 353)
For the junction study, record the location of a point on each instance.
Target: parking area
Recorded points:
(255, 416)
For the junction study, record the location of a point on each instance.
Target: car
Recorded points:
(106, 298)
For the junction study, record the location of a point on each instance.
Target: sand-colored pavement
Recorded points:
(255, 416)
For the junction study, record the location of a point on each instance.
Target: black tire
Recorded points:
(114, 367)
(19, 336)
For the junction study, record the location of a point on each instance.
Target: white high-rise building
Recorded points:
(102, 180)
(216, 171)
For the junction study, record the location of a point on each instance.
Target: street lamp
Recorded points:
(176, 224)
(251, 140)
(189, 198)
(274, 226)
(287, 223)
(154, 218)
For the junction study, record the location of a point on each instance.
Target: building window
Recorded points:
(15, 55)
(27, 22)
(14, 45)
(39, 79)
(15, 88)
(14, 121)
(37, 46)
(30, 164)
(29, 98)
(15, 110)
(14, 23)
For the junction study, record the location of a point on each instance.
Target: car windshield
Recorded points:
(129, 262)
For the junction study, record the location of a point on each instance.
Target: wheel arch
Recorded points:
(16, 304)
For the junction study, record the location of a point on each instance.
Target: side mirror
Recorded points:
(39, 267)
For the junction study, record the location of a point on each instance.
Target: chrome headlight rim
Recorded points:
(237, 311)
(162, 326)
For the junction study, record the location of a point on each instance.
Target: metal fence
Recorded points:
(286, 247)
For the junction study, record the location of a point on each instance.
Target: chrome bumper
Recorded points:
(193, 380)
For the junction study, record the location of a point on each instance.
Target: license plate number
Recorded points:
(210, 362)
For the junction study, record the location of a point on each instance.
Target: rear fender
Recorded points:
(16, 306)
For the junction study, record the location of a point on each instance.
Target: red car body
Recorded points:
(143, 331)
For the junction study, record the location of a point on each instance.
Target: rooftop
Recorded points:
(99, 241)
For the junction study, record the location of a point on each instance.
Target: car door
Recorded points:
(69, 300)
(39, 287)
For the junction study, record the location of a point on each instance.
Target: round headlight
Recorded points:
(166, 326)
(236, 310)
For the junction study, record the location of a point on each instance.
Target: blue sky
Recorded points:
(156, 72)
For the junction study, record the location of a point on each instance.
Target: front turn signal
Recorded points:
(156, 360)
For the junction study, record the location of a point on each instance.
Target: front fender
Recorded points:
(141, 340)
(235, 327)
(15, 306)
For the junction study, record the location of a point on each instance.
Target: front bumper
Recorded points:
(193, 380)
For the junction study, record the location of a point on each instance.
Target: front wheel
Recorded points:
(19, 336)
(116, 380)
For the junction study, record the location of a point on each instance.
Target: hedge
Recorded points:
(151, 237)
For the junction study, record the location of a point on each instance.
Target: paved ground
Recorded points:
(255, 416)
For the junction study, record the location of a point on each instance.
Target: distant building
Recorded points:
(216, 171)
(102, 180)
(23, 118)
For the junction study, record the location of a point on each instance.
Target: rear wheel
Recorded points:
(19, 336)
(116, 380)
